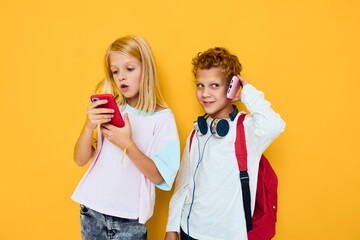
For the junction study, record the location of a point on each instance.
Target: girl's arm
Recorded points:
(121, 137)
(144, 164)
(83, 149)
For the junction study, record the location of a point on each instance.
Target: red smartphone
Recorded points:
(117, 120)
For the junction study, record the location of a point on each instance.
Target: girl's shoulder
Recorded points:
(159, 108)
(159, 112)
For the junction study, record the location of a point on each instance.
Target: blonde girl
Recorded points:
(117, 193)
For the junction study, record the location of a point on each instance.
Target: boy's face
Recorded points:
(211, 92)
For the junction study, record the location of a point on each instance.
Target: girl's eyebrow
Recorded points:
(128, 63)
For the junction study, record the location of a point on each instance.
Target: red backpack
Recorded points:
(262, 224)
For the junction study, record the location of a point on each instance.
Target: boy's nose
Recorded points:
(206, 93)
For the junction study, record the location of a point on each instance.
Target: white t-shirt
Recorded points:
(121, 190)
(217, 211)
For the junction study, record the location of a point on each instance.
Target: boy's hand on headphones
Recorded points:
(97, 115)
(243, 82)
(120, 137)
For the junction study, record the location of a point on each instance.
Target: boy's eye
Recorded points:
(199, 85)
(214, 85)
(130, 69)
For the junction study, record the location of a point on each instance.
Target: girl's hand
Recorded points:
(120, 137)
(97, 116)
(243, 83)
(171, 236)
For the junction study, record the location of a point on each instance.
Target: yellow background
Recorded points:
(303, 55)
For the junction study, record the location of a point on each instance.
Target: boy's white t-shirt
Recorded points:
(120, 189)
(217, 211)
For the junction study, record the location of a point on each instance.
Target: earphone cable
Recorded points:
(197, 166)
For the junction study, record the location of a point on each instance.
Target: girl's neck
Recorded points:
(132, 102)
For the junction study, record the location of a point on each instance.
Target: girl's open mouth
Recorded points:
(124, 87)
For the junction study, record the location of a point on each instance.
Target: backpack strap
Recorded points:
(241, 156)
(191, 138)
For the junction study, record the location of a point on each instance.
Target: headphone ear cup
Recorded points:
(202, 124)
(220, 127)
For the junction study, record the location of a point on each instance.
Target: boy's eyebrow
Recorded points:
(210, 81)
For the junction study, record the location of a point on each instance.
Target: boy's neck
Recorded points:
(223, 113)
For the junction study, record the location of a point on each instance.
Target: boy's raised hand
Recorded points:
(243, 83)
(120, 137)
(97, 115)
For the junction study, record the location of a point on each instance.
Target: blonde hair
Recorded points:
(149, 94)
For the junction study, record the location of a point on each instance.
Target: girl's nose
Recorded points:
(121, 76)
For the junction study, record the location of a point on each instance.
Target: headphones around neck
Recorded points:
(218, 126)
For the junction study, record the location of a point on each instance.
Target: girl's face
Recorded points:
(126, 71)
(211, 92)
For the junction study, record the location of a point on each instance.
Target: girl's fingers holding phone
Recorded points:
(96, 104)
(92, 122)
(106, 125)
(95, 119)
(104, 130)
(102, 110)
(99, 102)
(97, 113)
(101, 121)
(105, 120)
(102, 116)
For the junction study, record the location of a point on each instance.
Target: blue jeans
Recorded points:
(98, 226)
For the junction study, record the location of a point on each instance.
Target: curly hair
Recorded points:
(217, 57)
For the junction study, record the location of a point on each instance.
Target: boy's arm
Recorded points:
(178, 199)
(263, 123)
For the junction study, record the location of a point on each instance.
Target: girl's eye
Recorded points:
(199, 85)
(114, 72)
(214, 85)
(130, 69)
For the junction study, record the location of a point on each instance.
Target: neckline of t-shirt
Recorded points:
(142, 113)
